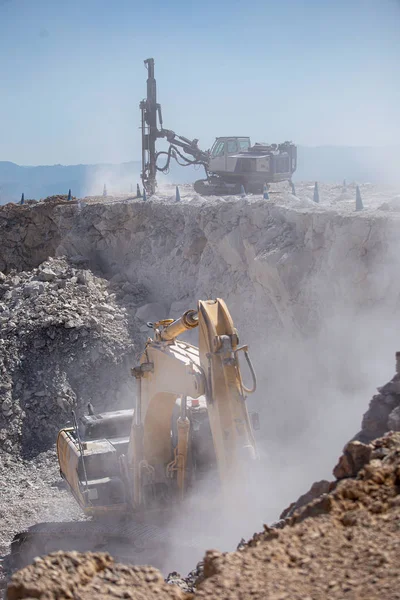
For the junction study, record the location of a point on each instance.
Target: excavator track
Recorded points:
(129, 542)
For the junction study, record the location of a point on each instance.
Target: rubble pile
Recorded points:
(343, 545)
(64, 341)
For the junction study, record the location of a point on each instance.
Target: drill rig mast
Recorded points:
(151, 116)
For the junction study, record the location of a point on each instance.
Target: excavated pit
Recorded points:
(312, 288)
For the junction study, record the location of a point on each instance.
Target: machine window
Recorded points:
(219, 149)
(244, 144)
(232, 146)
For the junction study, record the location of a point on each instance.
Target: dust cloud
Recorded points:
(121, 180)
(315, 379)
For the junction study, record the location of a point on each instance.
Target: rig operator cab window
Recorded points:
(244, 144)
(225, 147)
(218, 156)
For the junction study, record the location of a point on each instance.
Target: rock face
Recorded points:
(29, 233)
(383, 413)
(64, 341)
(344, 544)
(262, 257)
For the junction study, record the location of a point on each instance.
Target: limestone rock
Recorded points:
(355, 456)
(46, 275)
(317, 489)
(394, 419)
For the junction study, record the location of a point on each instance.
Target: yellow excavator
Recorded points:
(190, 422)
(190, 418)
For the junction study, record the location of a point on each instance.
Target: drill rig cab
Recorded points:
(231, 163)
(234, 163)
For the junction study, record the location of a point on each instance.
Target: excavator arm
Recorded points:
(171, 369)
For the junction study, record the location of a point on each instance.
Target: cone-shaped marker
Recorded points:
(316, 193)
(138, 192)
(242, 191)
(144, 194)
(359, 202)
(22, 199)
(104, 191)
(69, 195)
(265, 192)
(177, 195)
(293, 188)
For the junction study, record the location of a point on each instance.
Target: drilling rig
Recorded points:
(230, 165)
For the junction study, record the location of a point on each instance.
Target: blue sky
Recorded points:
(318, 72)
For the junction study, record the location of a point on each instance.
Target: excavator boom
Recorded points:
(171, 369)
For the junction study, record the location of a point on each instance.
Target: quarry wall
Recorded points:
(313, 290)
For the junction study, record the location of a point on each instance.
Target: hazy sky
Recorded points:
(317, 72)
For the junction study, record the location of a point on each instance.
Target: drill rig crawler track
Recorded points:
(132, 470)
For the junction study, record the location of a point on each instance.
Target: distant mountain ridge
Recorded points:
(322, 163)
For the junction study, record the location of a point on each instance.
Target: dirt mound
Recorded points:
(343, 545)
(83, 576)
(64, 341)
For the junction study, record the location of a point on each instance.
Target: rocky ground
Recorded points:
(32, 491)
(344, 544)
